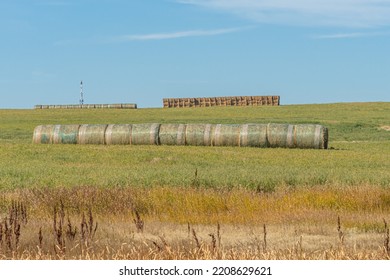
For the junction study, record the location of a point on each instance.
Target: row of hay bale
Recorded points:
(310, 136)
(221, 101)
(89, 106)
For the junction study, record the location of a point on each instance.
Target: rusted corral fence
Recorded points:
(89, 106)
(221, 101)
(305, 136)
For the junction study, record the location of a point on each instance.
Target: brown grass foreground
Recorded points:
(325, 222)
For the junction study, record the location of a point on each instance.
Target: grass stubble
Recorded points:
(143, 223)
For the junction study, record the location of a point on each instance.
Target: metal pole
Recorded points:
(81, 93)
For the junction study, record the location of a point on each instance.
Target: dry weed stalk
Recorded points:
(139, 223)
(8, 235)
(1, 234)
(71, 231)
(387, 238)
(340, 232)
(213, 242)
(40, 238)
(164, 242)
(299, 249)
(18, 212)
(17, 234)
(265, 238)
(219, 235)
(195, 181)
(63, 232)
(159, 248)
(196, 239)
(10, 229)
(88, 230)
(58, 229)
(164, 247)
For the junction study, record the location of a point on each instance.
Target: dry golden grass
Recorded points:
(326, 222)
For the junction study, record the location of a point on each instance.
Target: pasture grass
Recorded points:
(28, 165)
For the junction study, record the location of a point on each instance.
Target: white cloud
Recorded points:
(338, 13)
(350, 35)
(152, 36)
(341, 35)
(175, 35)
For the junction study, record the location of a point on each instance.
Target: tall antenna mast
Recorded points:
(81, 93)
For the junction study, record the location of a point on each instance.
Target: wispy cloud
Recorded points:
(350, 35)
(338, 13)
(152, 36)
(176, 35)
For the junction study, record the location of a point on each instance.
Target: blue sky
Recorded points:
(140, 51)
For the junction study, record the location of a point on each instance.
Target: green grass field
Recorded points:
(358, 154)
(182, 193)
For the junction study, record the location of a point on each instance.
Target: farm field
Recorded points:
(182, 202)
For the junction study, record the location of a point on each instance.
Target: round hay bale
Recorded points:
(43, 134)
(200, 134)
(311, 136)
(129, 106)
(253, 135)
(145, 134)
(280, 135)
(172, 134)
(92, 134)
(118, 134)
(227, 135)
(65, 134)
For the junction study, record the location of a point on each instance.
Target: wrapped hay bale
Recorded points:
(145, 134)
(43, 134)
(310, 136)
(56, 134)
(305, 136)
(253, 135)
(118, 134)
(227, 135)
(129, 106)
(65, 134)
(280, 135)
(115, 106)
(200, 134)
(92, 134)
(172, 134)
